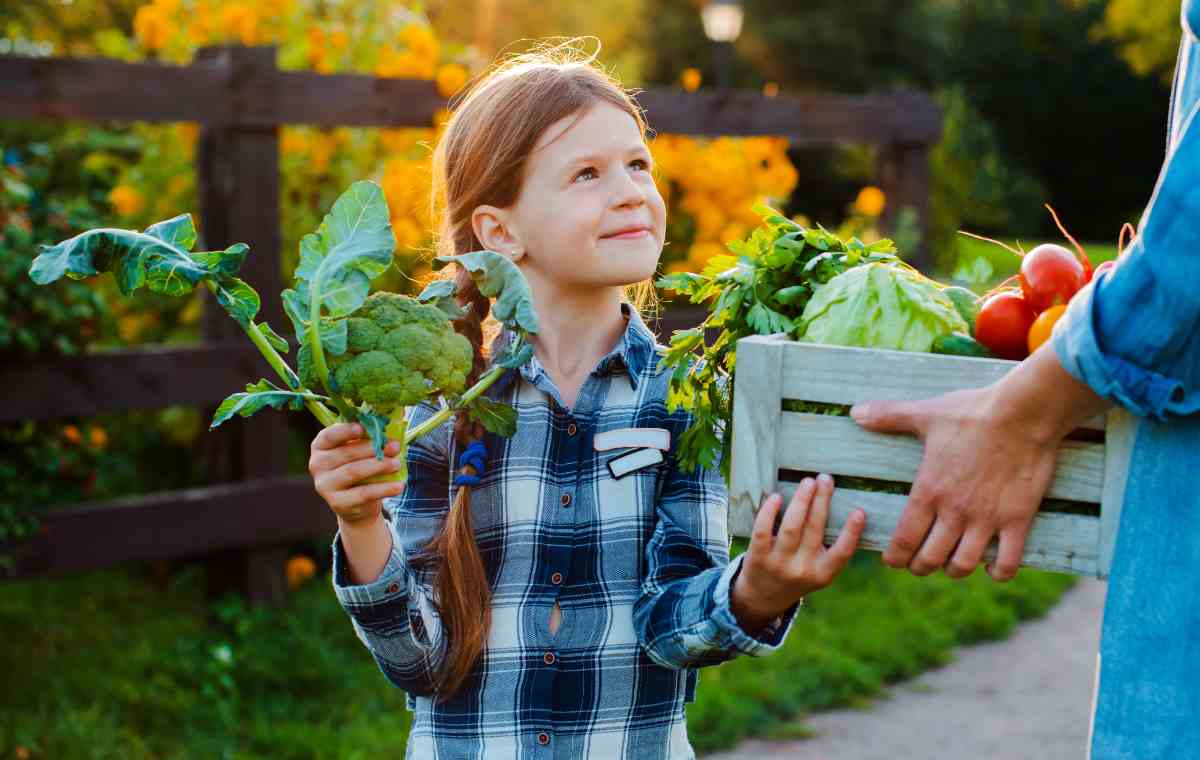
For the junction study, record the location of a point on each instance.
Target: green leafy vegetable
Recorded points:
(762, 287)
(373, 354)
(880, 306)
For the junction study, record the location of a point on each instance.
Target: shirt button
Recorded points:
(548, 658)
(571, 429)
(556, 578)
(543, 738)
(566, 500)
(393, 588)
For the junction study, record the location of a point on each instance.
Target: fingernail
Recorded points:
(825, 479)
(859, 412)
(807, 483)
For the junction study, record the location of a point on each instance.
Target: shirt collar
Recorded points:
(634, 352)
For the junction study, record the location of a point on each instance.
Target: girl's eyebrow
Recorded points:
(599, 158)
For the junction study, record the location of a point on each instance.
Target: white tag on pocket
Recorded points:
(621, 466)
(633, 438)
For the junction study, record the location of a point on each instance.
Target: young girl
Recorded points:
(538, 599)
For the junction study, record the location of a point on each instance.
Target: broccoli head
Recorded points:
(398, 352)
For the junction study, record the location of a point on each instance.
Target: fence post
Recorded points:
(238, 189)
(902, 171)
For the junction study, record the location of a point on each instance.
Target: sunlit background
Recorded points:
(1054, 101)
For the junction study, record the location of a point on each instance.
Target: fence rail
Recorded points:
(240, 98)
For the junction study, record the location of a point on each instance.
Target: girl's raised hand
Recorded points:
(781, 568)
(339, 459)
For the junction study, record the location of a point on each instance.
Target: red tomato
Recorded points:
(1107, 266)
(1003, 325)
(1050, 275)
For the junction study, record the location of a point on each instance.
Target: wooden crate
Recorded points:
(769, 443)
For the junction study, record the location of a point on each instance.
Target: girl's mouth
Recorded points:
(629, 234)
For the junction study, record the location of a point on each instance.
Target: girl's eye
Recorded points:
(586, 172)
(640, 163)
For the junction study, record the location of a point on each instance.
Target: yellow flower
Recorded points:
(339, 39)
(733, 231)
(451, 78)
(323, 147)
(690, 79)
(420, 41)
(770, 89)
(408, 233)
(179, 184)
(72, 434)
(292, 142)
(700, 253)
(240, 21)
(187, 132)
(126, 200)
(299, 569)
(98, 437)
(406, 65)
(151, 26)
(442, 116)
(870, 201)
(680, 265)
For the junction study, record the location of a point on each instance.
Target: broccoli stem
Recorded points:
(318, 351)
(323, 414)
(444, 414)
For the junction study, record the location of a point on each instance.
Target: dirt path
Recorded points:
(1025, 698)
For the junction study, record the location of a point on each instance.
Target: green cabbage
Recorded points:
(881, 305)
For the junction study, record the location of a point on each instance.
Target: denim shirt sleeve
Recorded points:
(683, 617)
(1133, 335)
(394, 615)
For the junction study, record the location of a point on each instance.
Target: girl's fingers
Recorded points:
(349, 452)
(347, 475)
(818, 514)
(791, 530)
(762, 535)
(834, 560)
(335, 435)
(363, 496)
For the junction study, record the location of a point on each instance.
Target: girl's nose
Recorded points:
(628, 192)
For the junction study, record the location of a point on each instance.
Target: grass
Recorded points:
(121, 664)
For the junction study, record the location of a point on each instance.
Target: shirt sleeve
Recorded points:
(1133, 335)
(394, 615)
(683, 616)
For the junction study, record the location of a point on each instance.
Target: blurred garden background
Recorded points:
(1044, 101)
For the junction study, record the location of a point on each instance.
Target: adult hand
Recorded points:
(989, 459)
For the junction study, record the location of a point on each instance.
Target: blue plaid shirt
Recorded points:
(638, 564)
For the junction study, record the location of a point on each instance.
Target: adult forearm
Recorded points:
(367, 548)
(1045, 398)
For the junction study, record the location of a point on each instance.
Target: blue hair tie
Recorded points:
(475, 455)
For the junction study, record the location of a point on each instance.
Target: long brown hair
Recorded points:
(481, 159)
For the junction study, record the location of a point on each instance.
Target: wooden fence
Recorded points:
(240, 98)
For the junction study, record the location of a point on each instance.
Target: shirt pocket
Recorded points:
(629, 482)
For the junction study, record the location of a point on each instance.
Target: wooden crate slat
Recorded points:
(754, 430)
(1053, 544)
(838, 375)
(837, 445)
(1122, 431)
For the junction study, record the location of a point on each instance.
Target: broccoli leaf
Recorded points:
(497, 277)
(495, 416)
(353, 246)
(136, 260)
(238, 299)
(258, 396)
(516, 355)
(179, 232)
(278, 342)
(375, 425)
(440, 293)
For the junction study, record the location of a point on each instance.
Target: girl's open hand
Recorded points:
(340, 457)
(781, 568)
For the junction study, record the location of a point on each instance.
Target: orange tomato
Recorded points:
(1043, 326)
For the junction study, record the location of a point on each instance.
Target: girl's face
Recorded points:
(589, 214)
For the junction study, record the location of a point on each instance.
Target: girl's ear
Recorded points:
(493, 229)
